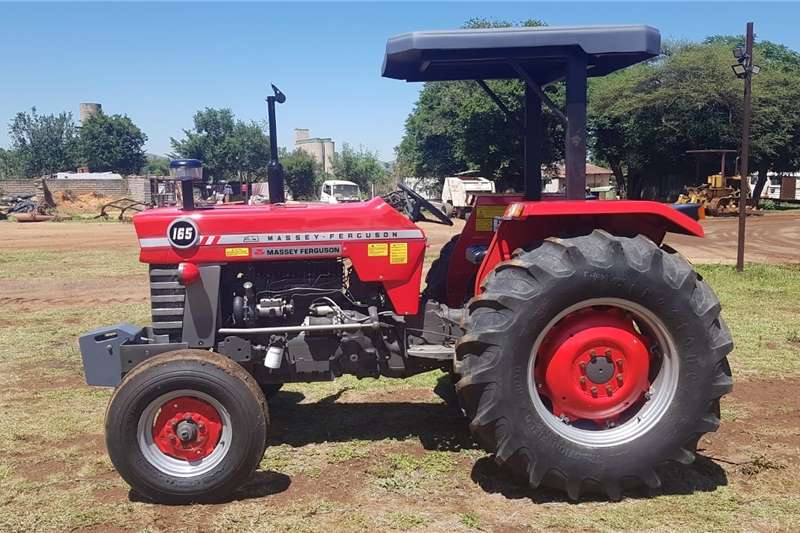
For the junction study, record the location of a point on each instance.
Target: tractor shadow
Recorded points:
(704, 475)
(437, 426)
(440, 427)
(262, 483)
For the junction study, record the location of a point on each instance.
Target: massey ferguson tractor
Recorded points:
(584, 351)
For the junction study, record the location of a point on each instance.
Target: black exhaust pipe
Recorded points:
(274, 169)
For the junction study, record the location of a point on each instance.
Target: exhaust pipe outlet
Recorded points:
(274, 169)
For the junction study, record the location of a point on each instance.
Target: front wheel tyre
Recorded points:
(590, 360)
(186, 426)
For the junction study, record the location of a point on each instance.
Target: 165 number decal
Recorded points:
(182, 233)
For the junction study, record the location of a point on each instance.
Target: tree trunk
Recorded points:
(619, 177)
(634, 185)
(759, 187)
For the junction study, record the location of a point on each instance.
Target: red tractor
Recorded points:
(584, 351)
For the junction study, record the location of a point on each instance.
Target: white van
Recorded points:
(338, 191)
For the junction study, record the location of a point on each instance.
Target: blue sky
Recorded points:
(159, 63)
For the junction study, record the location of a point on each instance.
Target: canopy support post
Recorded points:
(532, 144)
(575, 138)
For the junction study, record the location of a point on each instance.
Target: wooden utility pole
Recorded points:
(744, 185)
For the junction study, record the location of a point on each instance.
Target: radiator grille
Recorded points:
(166, 301)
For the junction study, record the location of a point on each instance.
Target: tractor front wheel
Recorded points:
(588, 361)
(186, 426)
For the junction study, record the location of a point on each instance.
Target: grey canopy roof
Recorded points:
(542, 52)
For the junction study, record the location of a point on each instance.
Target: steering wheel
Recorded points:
(418, 203)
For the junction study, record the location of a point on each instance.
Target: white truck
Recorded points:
(339, 191)
(458, 193)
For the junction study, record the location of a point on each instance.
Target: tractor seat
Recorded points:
(476, 253)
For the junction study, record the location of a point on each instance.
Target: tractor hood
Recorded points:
(241, 232)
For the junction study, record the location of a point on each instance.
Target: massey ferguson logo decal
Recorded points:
(182, 233)
(298, 251)
(193, 238)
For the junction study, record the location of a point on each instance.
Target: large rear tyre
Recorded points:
(186, 426)
(589, 361)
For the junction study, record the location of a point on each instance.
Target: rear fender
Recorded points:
(540, 220)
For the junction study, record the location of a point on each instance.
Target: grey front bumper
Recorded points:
(109, 353)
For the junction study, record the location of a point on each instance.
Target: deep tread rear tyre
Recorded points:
(212, 377)
(522, 296)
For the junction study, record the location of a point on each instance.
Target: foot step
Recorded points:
(431, 351)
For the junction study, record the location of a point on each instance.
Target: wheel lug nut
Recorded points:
(609, 390)
(582, 364)
(619, 364)
(619, 379)
(583, 381)
(594, 391)
(608, 353)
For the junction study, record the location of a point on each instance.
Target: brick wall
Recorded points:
(134, 187)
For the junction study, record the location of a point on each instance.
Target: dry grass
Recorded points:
(374, 455)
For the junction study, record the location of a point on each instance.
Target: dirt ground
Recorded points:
(361, 455)
(771, 238)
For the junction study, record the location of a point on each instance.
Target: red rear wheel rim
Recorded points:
(594, 365)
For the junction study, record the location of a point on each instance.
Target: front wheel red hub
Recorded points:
(187, 428)
(593, 365)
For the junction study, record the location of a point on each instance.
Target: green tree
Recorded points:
(229, 148)
(644, 118)
(249, 149)
(302, 173)
(44, 144)
(359, 166)
(112, 143)
(454, 126)
(10, 164)
(156, 165)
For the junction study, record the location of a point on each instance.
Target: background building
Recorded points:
(321, 149)
(88, 110)
(596, 176)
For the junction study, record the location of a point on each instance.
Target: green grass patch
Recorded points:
(79, 264)
(761, 307)
(348, 451)
(470, 520)
(405, 473)
(404, 520)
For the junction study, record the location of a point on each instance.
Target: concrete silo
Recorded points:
(88, 110)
